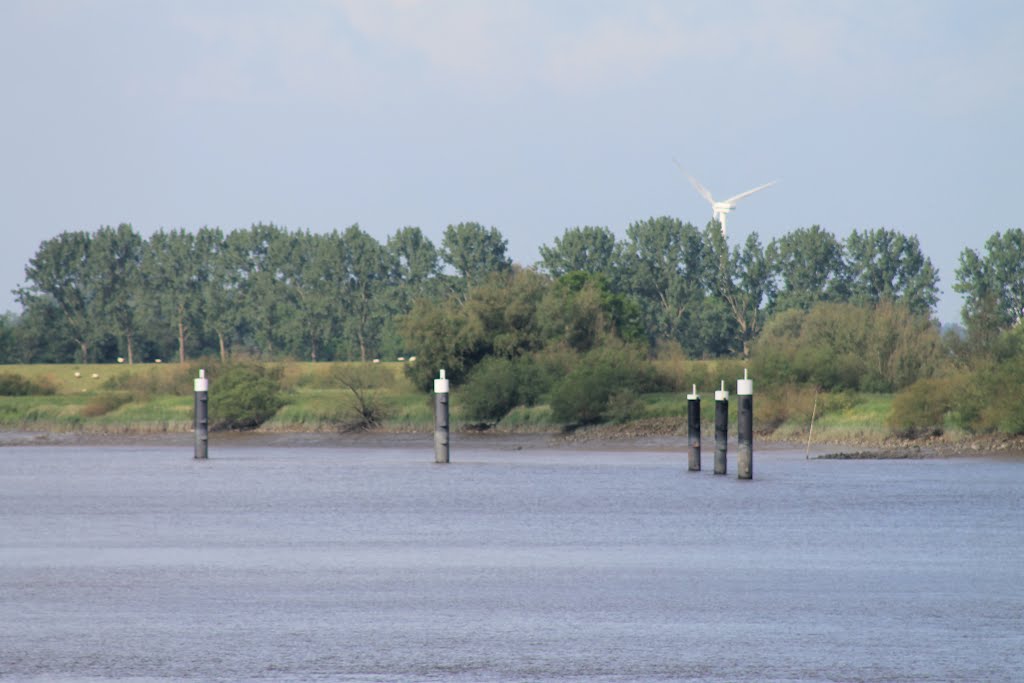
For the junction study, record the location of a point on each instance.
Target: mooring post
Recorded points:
(745, 418)
(693, 423)
(721, 429)
(441, 419)
(202, 416)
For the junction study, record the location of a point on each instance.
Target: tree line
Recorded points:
(273, 293)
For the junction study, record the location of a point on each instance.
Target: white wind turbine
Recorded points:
(720, 209)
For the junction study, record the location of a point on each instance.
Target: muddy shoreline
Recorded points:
(597, 438)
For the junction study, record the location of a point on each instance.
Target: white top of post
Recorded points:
(745, 387)
(722, 394)
(201, 383)
(441, 384)
(694, 396)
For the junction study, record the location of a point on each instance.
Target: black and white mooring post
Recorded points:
(441, 419)
(202, 415)
(693, 423)
(745, 418)
(721, 429)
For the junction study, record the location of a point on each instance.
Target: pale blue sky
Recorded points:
(529, 116)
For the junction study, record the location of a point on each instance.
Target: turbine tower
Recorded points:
(720, 209)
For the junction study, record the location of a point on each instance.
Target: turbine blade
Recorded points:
(741, 195)
(700, 188)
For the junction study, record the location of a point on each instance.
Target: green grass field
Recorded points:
(158, 397)
(842, 418)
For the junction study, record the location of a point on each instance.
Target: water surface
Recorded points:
(334, 564)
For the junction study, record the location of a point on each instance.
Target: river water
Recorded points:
(277, 563)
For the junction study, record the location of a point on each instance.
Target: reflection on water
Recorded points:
(341, 564)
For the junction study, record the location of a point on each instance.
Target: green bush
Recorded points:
(545, 368)
(490, 391)
(920, 409)
(497, 385)
(877, 348)
(584, 395)
(623, 406)
(12, 384)
(994, 399)
(244, 396)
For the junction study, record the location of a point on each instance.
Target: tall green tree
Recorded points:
(116, 255)
(415, 257)
(503, 312)
(588, 249)
(741, 279)
(663, 266)
(442, 336)
(499, 317)
(306, 274)
(261, 253)
(60, 272)
(993, 282)
(369, 269)
(220, 287)
(581, 311)
(417, 266)
(475, 251)
(886, 265)
(173, 272)
(40, 335)
(809, 264)
(8, 340)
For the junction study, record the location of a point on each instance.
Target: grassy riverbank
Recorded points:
(155, 398)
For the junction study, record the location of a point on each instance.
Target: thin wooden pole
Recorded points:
(810, 432)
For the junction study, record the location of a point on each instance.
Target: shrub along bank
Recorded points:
(606, 386)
